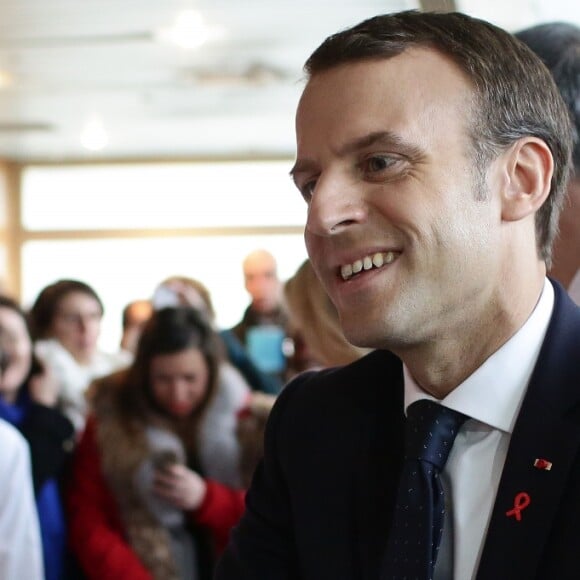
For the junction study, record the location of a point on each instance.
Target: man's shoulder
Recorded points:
(367, 367)
(359, 384)
(239, 329)
(564, 327)
(325, 414)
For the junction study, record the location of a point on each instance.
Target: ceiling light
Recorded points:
(94, 136)
(188, 31)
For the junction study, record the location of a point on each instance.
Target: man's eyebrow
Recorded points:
(382, 138)
(302, 166)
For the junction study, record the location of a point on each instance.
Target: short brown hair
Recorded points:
(515, 95)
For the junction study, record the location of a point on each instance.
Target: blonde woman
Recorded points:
(318, 337)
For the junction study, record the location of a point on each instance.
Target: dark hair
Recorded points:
(558, 45)
(169, 331)
(43, 311)
(35, 364)
(515, 96)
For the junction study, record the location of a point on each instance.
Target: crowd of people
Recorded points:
(137, 461)
(434, 171)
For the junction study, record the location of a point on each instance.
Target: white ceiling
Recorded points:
(72, 60)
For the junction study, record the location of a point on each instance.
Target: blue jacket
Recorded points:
(50, 438)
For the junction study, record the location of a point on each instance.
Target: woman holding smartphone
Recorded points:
(139, 506)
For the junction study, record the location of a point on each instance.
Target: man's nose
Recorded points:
(336, 204)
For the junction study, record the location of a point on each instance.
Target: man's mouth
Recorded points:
(371, 262)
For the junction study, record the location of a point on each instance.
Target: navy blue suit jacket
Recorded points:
(321, 501)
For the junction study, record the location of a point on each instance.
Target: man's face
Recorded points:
(385, 164)
(262, 282)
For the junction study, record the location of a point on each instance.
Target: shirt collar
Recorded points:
(494, 392)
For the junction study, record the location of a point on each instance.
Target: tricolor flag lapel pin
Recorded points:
(543, 464)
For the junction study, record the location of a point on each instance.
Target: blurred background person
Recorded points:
(316, 331)
(234, 395)
(251, 424)
(134, 317)
(264, 325)
(28, 398)
(66, 324)
(318, 342)
(20, 544)
(188, 291)
(138, 502)
(558, 45)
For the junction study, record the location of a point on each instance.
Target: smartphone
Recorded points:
(163, 459)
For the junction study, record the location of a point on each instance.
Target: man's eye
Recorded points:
(379, 163)
(307, 190)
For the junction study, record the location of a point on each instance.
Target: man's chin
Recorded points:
(359, 333)
(263, 307)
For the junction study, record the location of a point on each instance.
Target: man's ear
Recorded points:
(528, 174)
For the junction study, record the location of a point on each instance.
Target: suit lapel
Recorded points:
(379, 463)
(546, 429)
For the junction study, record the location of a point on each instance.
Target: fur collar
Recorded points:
(123, 448)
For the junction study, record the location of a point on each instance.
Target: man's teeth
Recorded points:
(376, 260)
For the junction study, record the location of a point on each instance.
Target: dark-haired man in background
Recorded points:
(558, 45)
(433, 152)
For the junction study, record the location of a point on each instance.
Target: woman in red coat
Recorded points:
(138, 506)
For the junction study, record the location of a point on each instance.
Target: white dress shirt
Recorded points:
(20, 543)
(492, 397)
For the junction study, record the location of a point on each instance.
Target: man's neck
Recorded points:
(441, 365)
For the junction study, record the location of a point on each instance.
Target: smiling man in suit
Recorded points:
(433, 152)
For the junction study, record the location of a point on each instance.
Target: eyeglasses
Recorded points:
(78, 318)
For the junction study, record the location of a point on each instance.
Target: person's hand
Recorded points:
(44, 388)
(180, 486)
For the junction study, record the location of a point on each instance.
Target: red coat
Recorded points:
(96, 532)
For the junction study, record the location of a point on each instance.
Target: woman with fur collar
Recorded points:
(138, 506)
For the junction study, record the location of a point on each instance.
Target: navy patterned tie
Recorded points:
(417, 525)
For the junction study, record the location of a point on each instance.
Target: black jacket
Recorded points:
(321, 502)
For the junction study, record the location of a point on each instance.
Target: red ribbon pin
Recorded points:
(521, 502)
